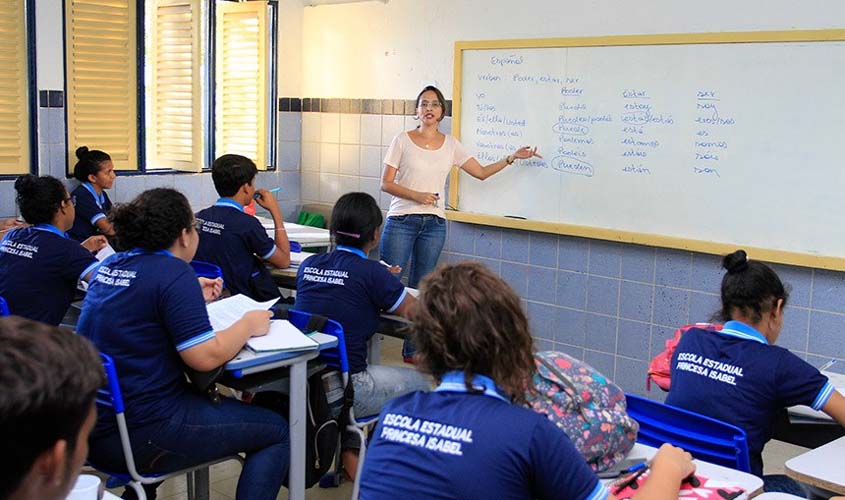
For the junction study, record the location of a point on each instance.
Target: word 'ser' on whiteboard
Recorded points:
(703, 142)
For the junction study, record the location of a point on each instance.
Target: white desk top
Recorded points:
(304, 235)
(821, 467)
(838, 381)
(749, 482)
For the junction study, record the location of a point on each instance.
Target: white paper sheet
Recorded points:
(225, 312)
(283, 336)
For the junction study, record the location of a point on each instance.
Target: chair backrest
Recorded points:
(110, 396)
(206, 269)
(705, 438)
(334, 357)
(4, 307)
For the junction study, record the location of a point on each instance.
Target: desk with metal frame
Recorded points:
(245, 371)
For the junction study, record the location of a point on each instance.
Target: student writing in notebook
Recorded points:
(236, 241)
(146, 308)
(467, 439)
(39, 265)
(95, 172)
(737, 374)
(346, 286)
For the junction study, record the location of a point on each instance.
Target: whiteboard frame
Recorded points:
(657, 240)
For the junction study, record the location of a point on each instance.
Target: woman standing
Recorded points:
(415, 170)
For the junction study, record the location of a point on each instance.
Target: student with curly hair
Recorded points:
(39, 265)
(95, 172)
(146, 309)
(467, 439)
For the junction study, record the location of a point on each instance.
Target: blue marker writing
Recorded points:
(274, 190)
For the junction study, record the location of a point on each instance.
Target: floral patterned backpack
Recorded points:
(590, 409)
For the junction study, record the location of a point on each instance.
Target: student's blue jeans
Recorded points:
(419, 237)
(199, 431)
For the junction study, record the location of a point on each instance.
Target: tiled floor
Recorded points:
(224, 476)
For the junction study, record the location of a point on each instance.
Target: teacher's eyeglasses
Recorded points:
(430, 104)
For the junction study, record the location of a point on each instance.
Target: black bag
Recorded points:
(326, 415)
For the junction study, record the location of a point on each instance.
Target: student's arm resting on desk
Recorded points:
(281, 257)
(835, 407)
(226, 343)
(93, 244)
(407, 308)
(668, 468)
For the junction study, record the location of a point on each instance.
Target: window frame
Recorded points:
(210, 100)
(33, 96)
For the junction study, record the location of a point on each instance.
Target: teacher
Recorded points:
(415, 170)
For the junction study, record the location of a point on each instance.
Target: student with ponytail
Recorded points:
(754, 379)
(39, 265)
(95, 172)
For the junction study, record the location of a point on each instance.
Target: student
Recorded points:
(95, 172)
(237, 242)
(742, 376)
(346, 286)
(50, 378)
(39, 265)
(145, 309)
(473, 338)
(415, 169)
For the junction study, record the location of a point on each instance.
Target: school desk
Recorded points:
(306, 236)
(821, 468)
(749, 482)
(258, 372)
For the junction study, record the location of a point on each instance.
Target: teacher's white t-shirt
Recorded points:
(423, 170)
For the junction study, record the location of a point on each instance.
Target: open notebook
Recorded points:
(282, 336)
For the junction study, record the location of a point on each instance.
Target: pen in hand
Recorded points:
(274, 190)
(827, 365)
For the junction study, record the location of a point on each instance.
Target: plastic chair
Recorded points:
(4, 307)
(705, 438)
(112, 397)
(336, 358)
(206, 269)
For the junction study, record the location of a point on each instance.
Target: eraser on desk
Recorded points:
(295, 246)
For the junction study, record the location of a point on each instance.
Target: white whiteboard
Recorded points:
(733, 143)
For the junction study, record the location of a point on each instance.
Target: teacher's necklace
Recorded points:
(428, 140)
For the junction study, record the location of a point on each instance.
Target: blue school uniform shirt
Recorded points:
(90, 207)
(232, 239)
(39, 269)
(734, 375)
(142, 309)
(450, 444)
(346, 286)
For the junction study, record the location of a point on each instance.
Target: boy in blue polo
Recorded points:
(237, 242)
(39, 265)
(737, 375)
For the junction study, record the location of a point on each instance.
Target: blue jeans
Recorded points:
(419, 237)
(377, 385)
(199, 431)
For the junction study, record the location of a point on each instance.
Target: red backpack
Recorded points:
(660, 368)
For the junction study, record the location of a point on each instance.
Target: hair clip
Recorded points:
(351, 235)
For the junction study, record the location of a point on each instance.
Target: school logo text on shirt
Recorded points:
(434, 436)
(211, 227)
(706, 367)
(330, 276)
(19, 249)
(115, 277)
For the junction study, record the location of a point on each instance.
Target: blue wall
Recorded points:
(615, 304)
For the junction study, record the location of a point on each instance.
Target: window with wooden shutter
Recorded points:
(102, 80)
(243, 80)
(175, 126)
(14, 89)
